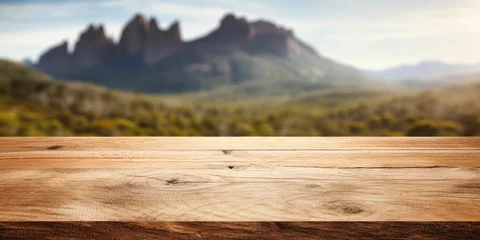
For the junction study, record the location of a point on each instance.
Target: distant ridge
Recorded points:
(425, 69)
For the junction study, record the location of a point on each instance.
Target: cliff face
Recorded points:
(144, 42)
(271, 39)
(160, 44)
(93, 48)
(260, 37)
(233, 29)
(134, 36)
(56, 61)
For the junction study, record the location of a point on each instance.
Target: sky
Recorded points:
(368, 34)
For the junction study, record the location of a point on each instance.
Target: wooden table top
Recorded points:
(238, 187)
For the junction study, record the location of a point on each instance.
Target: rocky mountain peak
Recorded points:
(266, 27)
(234, 27)
(231, 20)
(61, 50)
(174, 32)
(101, 30)
(161, 43)
(63, 47)
(270, 38)
(93, 33)
(134, 36)
(153, 25)
(92, 47)
(143, 41)
(139, 19)
(56, 60)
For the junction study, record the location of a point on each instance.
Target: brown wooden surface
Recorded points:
(241, 230)
(217, 159)
(148, 182)
(285, 194)
(234, 143)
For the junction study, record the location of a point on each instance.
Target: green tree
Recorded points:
(424, 128)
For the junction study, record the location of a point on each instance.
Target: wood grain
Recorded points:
(287, 194)
(215, 159)
(137, 186)
(240, 230)
(234, 143)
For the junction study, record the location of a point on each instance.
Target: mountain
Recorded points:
(437, 82)
(422, 70)
(148, 58)
(28, 62)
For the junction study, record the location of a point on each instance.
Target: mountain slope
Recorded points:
(149, 59)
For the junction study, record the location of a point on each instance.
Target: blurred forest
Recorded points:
(32, 104)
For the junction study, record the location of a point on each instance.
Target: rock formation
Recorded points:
(134, 36)
(271, 39)
(232, 34)
(173, 33)
(56, 61)
(160, 44)
(93, 48)
(234, 29)
(151, 58)
(144, 42)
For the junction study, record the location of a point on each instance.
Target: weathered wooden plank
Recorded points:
(254, 194)
(234, 143)
(240, 230)
(326, 180)
(215, 159)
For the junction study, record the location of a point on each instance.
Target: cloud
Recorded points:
(392, 23)
(32, 43)
(165, 8)
(43, 10)
(45, 36)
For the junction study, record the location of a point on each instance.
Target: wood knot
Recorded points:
(352, 210)
(236, 167)
(347, 208)
(226, 152)
(173, 181)
(54, 147)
